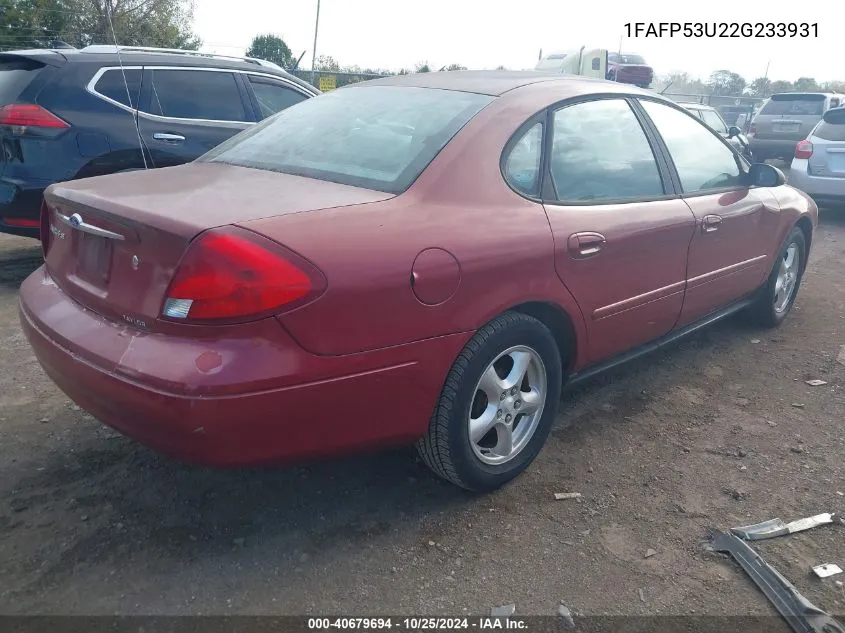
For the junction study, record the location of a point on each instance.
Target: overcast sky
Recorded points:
(485, 34)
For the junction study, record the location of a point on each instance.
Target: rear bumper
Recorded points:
(772, 147)
(20, 202)
(163, 391)
(820, 188)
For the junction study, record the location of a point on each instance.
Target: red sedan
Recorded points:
(424, 258)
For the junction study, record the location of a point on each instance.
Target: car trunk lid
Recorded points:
(116, 241)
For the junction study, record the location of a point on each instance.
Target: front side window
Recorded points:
(196, 94)
(522, 166)
(713, 120)
(273, 97)
(703, 161)
(600, 152)
(378, 137)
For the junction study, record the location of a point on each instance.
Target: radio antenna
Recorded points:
(132, 105)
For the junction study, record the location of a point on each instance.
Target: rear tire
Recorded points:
(515, 360)
(775, 300)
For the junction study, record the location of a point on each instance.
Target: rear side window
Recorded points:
(273, 97)
(111, 85)
(600, 152)
(795, 105)
(832, 127)
(16, 75)
(196, 94)
(522, 166)
(379, 137)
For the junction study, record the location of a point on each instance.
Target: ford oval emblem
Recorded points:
(75, 220)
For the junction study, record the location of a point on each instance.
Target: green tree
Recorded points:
(806, 84)
(327, 63)
(833, 86)
(781, 86)
(760, 87)
(725, 82)
(33, 23)
(422, 67)
(455, 67)
(273, 49)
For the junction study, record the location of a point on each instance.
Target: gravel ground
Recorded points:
(705, 434)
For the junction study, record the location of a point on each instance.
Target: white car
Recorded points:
(818, 168)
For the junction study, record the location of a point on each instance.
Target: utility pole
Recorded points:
(314, 54)
(620, 43)
(766, 76)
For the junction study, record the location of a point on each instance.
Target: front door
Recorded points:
(188, 111)
(734, 223)
(620, 240)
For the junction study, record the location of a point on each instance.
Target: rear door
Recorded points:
(621, 236)
(790, 116)
(735, 224)
(828, 158)
(187, 111)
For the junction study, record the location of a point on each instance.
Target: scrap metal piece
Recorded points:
(801, 614)
(828, 569)
(776, 527)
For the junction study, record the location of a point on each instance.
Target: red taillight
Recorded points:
(24, 223)
(803, 149)
(29, 115)
(45, 229)
(232, 274)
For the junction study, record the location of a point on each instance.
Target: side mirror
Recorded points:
(734, 131)
(765, 175)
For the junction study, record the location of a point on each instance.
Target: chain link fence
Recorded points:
(326, 80)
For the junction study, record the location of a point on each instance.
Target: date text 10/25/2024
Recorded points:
(722, 29)
(417, 623)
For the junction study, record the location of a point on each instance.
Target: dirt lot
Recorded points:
(705, 434)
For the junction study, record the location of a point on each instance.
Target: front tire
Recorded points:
(497, 406)
(777, 297)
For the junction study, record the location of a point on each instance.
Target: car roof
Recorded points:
(107, 54)
(497, 82)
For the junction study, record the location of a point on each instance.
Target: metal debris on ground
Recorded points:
(559, 496)
(649, 553)
(755, 341)
(816, 382)
(566, 616)
(841, 357)
(797, 405)
(503, 611)
(828, 569)
(777, 527)
(642, 595)
(801, 614)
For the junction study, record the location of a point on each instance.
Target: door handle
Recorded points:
(710, 223)
(166, 136)
(587, 244)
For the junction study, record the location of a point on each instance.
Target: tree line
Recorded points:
(48, 23)
(728, 83)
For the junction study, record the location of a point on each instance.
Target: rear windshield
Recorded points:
(832, 127)
(15, 76)
(379, 137)
(795, 104)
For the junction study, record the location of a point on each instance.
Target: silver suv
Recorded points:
(787, 118)
(818, 168)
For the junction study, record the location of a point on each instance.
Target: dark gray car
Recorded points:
(786, 119)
